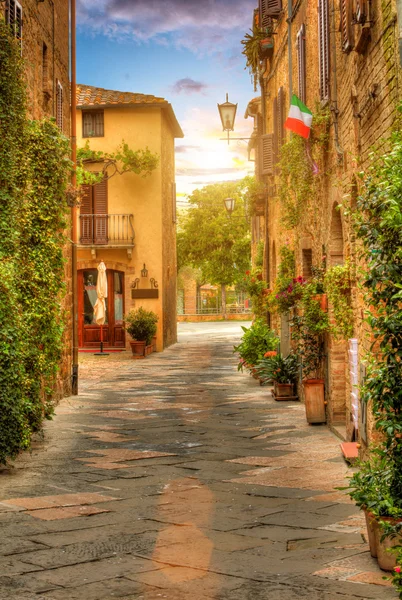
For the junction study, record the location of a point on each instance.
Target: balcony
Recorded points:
(107, 231)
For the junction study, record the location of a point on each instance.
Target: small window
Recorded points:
(323, 48)
(93, 123)
(59, 105)
(307, 256)
(14, 18)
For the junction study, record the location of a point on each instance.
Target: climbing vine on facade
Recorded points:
(34, 174)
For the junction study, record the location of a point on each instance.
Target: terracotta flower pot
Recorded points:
(138, 348)
(387, 560)
(372, 532)
(283, 390)
(314, 400)
(323, 300)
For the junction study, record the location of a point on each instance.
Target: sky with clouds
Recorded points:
(187, 51)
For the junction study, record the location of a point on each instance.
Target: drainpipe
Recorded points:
(74, 232)
(334, 87)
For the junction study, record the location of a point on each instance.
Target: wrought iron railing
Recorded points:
(107, 230)
(211, 305)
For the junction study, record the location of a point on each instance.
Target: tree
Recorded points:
(211, 240)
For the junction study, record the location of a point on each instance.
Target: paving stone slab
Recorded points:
(186, 523)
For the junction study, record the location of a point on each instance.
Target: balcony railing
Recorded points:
(107, 230)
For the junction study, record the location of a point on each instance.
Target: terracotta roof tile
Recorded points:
(88, 95)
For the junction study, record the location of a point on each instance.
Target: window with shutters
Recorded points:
(275, 124)
(14, 18)
(301, 63)
(346, 25)
(280, 115)
(59, 105)
(269, 9)
(94, 214)
(267, 154)
(323, 48)
(93, 123)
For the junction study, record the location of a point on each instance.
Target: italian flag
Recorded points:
(300, 118)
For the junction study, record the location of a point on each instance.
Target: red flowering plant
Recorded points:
(254, 283)
(287, 298)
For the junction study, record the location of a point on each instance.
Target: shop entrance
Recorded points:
(88, 330)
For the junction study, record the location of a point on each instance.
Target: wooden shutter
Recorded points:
(269, 9)
(301, 62)
(18, 21)
(267, 154)
(361, 11)
(100, 212)
(14, 18)
(280, 117)
(86, 216)
(275, 123)
(323, 48)
(346, 25)
(59, 105)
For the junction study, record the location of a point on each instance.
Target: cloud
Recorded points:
(206, 26)
(189, 86)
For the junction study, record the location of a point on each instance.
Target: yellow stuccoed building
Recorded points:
(128, 221)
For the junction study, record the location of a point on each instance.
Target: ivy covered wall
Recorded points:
(34, 173)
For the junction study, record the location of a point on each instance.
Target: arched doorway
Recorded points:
(335, 247)
(88, 330)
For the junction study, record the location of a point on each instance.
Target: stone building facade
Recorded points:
(42, 26)
(342, 60)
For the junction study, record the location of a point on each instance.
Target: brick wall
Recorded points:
(363, 109)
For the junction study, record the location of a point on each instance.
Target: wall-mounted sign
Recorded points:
(151, 292)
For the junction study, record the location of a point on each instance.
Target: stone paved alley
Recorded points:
(178, 478)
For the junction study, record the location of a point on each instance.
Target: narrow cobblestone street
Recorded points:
(178, 478)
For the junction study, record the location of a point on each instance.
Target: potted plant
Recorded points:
(256, 341)
(141, 324)
(282, 371)
(308, 329)
(371, 489)
(254, 50)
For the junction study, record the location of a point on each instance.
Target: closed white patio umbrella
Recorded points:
(100, 304)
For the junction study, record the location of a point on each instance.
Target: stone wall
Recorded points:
(365, 89)
(45, 50)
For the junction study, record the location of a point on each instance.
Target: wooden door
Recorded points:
(89, 332)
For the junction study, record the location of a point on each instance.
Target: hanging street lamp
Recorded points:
(229, 205)
(227, 113)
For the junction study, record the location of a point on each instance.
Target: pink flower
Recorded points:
(397, 569)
